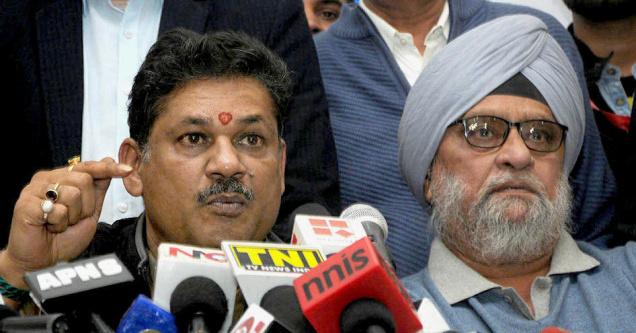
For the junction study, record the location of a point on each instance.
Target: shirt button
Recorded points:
(620, 101)
(611, 71)
(402, 41)
(129, 34)
(122, 207)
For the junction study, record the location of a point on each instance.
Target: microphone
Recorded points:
(374, 225)
(259, 267)
(332, 234)
(52, 323)
(143, 316)
(279, 312)
(356, 291)
(72, 288)
(311, 208)
(283, 304)
(255, 320)
(284, 230)
(258, 320)
(199, 305)
(196, 285)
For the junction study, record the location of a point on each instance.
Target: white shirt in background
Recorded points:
(403, 47)
(115, 44)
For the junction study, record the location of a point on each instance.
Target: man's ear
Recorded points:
(283, 162)
(428, 194)
(130, 154)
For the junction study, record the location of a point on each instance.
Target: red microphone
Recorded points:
(356, 291)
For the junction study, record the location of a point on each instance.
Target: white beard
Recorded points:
(488, 233)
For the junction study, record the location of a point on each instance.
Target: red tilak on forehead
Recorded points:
(225, 117)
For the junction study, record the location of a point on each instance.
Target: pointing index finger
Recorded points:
(104, 169)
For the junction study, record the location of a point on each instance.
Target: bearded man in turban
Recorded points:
(490, 132)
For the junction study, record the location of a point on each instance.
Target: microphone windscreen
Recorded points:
(144, 316)
(198, 294)
(311, 208)
(365, 213)
(281, 302)
(284, 230)
(358, 316)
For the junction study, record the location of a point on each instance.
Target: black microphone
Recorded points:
(311, 208)
(367, 316)
(284, 230)
(283, 304)
(199, 305)
(279, 312)
(52, 323)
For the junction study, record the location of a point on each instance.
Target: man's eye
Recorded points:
(538, 135)
(329, 15)
(193, 139)
(484, 132)
(251, 140)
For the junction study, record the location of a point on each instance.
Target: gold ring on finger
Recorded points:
(73, 161)
(52, 194)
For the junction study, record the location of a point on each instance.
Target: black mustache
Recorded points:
(226, 185)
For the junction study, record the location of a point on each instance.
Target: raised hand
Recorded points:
(44, 233)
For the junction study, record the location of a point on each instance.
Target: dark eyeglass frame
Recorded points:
(519, 125)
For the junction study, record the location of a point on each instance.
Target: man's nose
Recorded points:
(225, 160)
(314, 23)
(514, 153)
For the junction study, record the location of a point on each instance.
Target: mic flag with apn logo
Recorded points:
(82, 282)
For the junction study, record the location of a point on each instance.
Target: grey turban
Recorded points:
(472, 66)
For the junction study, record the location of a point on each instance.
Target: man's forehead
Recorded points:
(225, 101)
(223, 118)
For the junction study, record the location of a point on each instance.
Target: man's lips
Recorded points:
(514, 187)
(231, 205)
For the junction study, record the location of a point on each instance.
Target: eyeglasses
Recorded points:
(490, 132)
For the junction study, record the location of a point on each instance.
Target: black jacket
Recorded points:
(127, 239)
